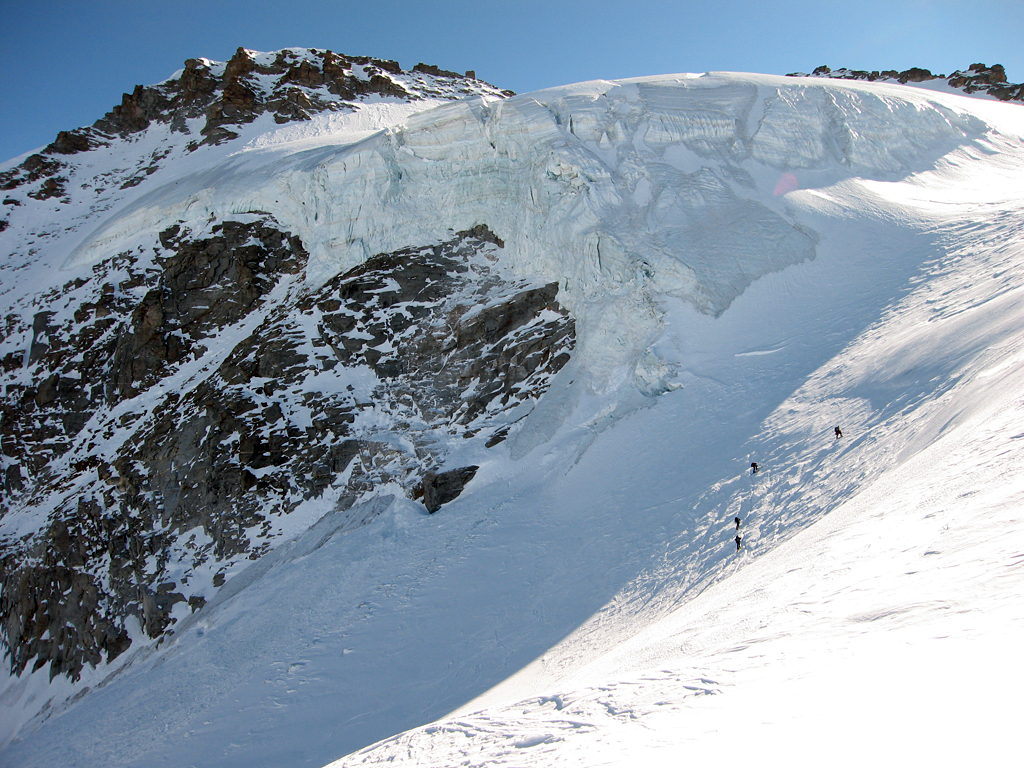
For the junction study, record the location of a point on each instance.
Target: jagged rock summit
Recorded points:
(210, 102)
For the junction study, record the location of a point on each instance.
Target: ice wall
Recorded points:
(619, 190)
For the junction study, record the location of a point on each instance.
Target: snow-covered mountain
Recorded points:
(134, 335)
(248, 350)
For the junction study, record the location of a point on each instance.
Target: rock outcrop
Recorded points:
(440, 488)
(977, 78)
(177, 407)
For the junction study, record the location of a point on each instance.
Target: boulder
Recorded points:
(440, 488)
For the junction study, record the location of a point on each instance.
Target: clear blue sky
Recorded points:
(64, 64)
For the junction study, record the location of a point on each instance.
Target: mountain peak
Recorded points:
(290, 84)
(213, 100)
(316, 434)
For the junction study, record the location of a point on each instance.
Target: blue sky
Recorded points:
(65, 64)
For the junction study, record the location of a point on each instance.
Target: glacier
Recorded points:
(750, 261)
(617, 190)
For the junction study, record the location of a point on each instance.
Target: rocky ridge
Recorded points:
(976, 79)
(210, 101)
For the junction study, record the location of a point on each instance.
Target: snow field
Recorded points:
(881, 632)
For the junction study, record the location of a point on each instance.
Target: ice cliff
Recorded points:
(617, 191)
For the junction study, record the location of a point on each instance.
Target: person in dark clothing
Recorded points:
(737, 523)
(738, 540)
(839, 433)
(754, 467)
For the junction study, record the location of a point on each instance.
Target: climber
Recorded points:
(737, 520)
(754, 467)
(738, 540)
(839, 433)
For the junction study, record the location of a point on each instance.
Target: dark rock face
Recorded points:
(430, 69)
(991, 80)
(915, 75)
(169, 412)
(135, 112)
(977, 78)
(191, 299)
(71, 142)
(439, 489)
(109, 351)
(55, 611)
(34, 168)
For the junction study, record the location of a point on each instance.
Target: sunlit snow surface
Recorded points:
(583, 603)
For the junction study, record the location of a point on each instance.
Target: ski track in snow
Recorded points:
(584, 605)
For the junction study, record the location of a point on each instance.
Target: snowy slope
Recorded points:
(751, 261)
(881, 633)
(874, 621)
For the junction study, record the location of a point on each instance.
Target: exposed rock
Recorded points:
(52, 187)
(114, 349)
(1008, 93)
(994, 75)
(388, 65)
(32, 169)
(915, 75)
(306, 74)
(990, 80)
(977, 78)
(136, 110)
(196, 88)
(205, 285)
(440, 488)
(232, 94)
(194, 479)
(482, 232)
(71, 142)
(430, 69)
(52, 612)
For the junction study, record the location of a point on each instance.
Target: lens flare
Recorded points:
(787, 183)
